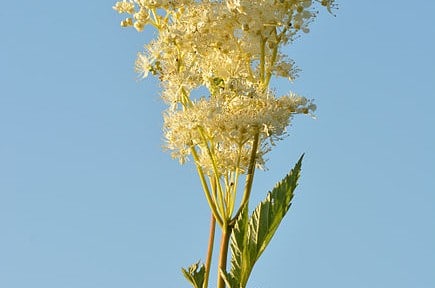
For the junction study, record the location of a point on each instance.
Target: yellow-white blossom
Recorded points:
(231, 49)
(124, 7)
(227, 125)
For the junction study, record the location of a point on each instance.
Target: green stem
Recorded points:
(222, 266)
(205, 188)
(209, 250)
(272, 62)
(235, 179)
(249, 177)
(210, 151)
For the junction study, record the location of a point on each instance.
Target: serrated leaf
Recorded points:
(238, 251)
(227, 278)
(251, 236)
(195, 274)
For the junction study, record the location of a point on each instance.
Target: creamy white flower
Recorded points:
(230, 49)
(124, 7)
(143, 66)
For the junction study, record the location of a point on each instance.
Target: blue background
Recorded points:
(88, 198)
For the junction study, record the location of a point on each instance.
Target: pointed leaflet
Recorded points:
(268, 215)
(238, 251)
(195, 276)
(250, 238)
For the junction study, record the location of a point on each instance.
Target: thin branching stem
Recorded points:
(249, 177)
(223, 255)
(204, 184)
(209, 250)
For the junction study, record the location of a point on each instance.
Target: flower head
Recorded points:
(230, 49)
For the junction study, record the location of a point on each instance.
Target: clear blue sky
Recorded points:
(88, 198)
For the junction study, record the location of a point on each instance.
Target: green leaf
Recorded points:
(238, 251)
(195, 274)
(228, 281)
(251, 236)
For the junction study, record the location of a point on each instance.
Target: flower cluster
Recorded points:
(215, 60)
(232, 48)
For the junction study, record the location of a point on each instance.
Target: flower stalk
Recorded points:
(223, 255)
(209, 250)
(249, 179)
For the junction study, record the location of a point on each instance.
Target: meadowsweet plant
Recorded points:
(215, 60)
